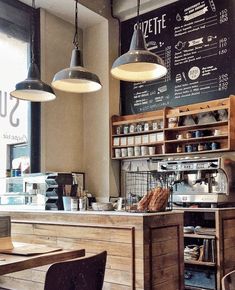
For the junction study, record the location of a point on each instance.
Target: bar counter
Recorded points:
(145, 250)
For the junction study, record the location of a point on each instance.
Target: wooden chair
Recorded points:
(80, 274)
(228, 281)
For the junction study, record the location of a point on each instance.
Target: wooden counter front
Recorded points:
(145, 251)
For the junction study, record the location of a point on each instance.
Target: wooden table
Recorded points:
(12, 263)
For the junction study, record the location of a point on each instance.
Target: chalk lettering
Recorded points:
(154, 25)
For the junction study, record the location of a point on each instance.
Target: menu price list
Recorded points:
(194, 38)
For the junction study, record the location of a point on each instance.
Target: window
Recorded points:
(19, 120)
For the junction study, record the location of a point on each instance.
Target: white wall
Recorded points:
(62, 119)
(75, 129)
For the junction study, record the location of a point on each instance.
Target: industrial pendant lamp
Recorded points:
(33, 89)
(76, 79)
(138, 64)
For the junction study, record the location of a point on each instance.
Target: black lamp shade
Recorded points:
(138, 64)
(33, 89)
(76, 79)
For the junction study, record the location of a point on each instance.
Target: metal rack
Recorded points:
(139, 183)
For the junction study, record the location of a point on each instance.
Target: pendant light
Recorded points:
(33, 89)
(138, 64)
(76, 79)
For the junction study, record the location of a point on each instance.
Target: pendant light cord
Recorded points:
(75, 39)
(138, 12)
(32, 33)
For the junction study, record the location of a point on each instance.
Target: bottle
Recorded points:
(74, 203)
(81, 204)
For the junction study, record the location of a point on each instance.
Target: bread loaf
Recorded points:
(159, 199)
(144, 202)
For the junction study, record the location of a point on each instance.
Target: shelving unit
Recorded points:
(208, 273)
(154, 129)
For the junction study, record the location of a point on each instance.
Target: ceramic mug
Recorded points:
(172, 122)
(132, 128)
(155, 125)
(180, 136)
(117, 152)
(217, 132)
(214, 145)
(126, 129)
(124, 152)
(151, 150)
(119, 130)
(188, 148)
(130, 151)
(188, 135)
(137, 150)
(198, 134)
(144, 150)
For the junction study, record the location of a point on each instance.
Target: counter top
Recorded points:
(33, 209)
(30, 210)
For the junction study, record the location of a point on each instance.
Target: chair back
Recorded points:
(80, 274)
(228, 281)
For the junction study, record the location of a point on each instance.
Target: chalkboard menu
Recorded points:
(196, 40)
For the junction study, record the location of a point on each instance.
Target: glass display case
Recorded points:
(23, 190)
(40, 190)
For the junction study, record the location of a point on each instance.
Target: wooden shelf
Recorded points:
(197, 126)
(138, 133)
(226, 140)
(143, 144)
(197, 140)
(197, 111)
(125, 120)
(197, 152)
(222, 220)
(192, 288)
(139, 157)
(196, 236)
(192, 262)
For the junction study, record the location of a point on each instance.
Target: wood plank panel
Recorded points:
(101, 234)
(166, 274)
(169, 259)
(125, 237)
(164, 247)
(168, 285)
(164, 234)
(229, 228)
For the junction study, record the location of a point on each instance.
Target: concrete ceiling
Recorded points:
(123, 9)
(128, 9)
(65, 9)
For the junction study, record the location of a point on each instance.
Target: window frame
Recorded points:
(34, 107)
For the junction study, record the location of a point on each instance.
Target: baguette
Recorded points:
(159, 199)
(144, 202)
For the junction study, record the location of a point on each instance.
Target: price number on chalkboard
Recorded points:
(223, 16)
(223, 51)
(223, 82)
(223, 42)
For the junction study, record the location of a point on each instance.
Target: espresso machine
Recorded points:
(201, 180)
